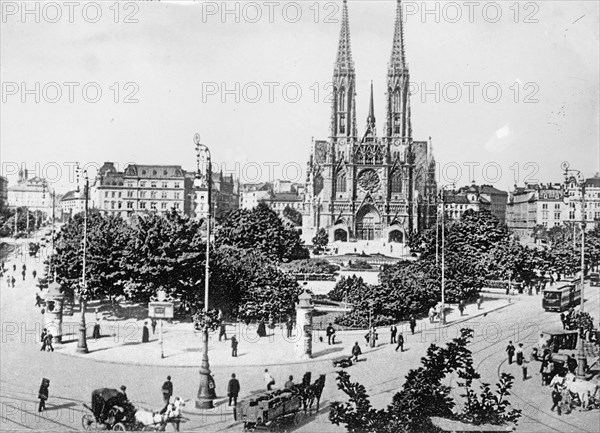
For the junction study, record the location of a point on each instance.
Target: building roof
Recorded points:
(154, 171)
(489, 189)
(284, 196)
(72, 195)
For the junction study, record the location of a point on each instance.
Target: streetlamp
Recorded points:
(205, 396)
(443, 306)
(81, 340)
(577, 177)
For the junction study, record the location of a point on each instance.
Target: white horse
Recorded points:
(585, 390)
(148, 418)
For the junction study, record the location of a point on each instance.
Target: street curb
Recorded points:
(291, 362)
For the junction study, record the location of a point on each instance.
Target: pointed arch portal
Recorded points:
(368, 223)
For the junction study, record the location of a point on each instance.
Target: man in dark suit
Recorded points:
(233, 389)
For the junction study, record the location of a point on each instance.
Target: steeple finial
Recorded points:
(344, 54)
(398, 59)
(371, 117)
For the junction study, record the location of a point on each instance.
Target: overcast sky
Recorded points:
(180, 57)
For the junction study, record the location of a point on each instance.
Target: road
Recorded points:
(73, 378)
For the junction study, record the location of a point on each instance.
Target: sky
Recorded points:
(507, 91)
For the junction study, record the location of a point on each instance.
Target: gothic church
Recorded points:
(370, 187)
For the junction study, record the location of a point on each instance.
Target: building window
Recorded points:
(165, 185)
(556, 215)
(572, 215)
(105, 204)
(129, 193)
(153, 184)
(545, 206)
(557, 206)
(163, 205)
(142, 194)
(142, 184)
(153, 194)
(142, 205)
(129, 184)
(164, 195)
(176, 196)
(342, 123)
(106, 194)
(119, 205)
(153, 205)
(129, 205)
(341, 182)
(396, 183)
(119, 194)
(112, 204)
(176, 205)
(176, 185)
(112, 194)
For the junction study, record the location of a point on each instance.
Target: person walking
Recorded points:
(233, 390)
(96, 332)
(290, 383)
(556, 398)
(48, 340)
(167, 390)
(234, 346)
(330, 331)
(510, 350)
(222, 331)
(43, 394)
(520, 355)
(289, 326)
(461, 307)
(153, 325)
(8, 281)
(34, 273)
(431, 314)
(43, 339)
(14, 267)
(479, 301)
(571, 364)
(400, 343)
(23, 273)
(356, 351)
(38, 300)
(413, 324)
(393, 332)
(541, 343)
(145, 333)
(269, 381)
(13, 281)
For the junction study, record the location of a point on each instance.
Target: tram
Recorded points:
(562, 296)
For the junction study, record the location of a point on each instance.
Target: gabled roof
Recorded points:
(154, 171)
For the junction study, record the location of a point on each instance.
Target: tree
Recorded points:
(293, 215)
(320, 241)
(348, 289)
(261, 229)
(425, 394)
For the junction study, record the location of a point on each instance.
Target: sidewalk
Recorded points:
(182, 346)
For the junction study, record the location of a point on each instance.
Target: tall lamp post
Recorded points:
(82, 340)
(205, 396)
(443, 211)
(575, 176)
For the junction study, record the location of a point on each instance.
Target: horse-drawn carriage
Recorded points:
(269, 411)
(111, 410)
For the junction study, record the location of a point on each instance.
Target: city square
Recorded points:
(230, 243)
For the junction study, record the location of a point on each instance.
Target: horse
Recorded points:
(173, 412)
(584, 390)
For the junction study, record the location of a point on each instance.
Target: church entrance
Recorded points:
(368, 223)
(340, 235)
(395, 236)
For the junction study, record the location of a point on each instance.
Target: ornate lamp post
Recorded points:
(576, 177)
(205, 396)
(81, 340)
(443, 306)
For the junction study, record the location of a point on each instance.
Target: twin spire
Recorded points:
(344, 63)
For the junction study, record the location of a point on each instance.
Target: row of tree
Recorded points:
(477, 249)
(134, 259)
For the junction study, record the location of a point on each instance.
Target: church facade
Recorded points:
(370, 187)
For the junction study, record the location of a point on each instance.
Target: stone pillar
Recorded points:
(53, 316)
(304, 309)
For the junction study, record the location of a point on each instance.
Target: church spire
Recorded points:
(398, 59)
(344, 60)
(371, 117)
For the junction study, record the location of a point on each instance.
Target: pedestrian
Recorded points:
(563, 320)
(38, 300)
(167, 390)
(461, 307)
(96, 332)
(566, 400)
(233, 389)
(541, 343)
(234, 346)
(269, 381)
(413, 324)
(356, 351)
(556, 398)
(13, 281)
(23, 272)
(261, 330)
(479, 301)
(24, 267)
(571, 364)
(330, 332)
(520, 354)
(48, 340)
(290, 383)
(34, 273)
(43, 339)
(431, 314)
(153, 325)
(393, 332)
(14, 267)
(510, 349)
(8, 281)
(547, 372)
(400, 343)
(289, 326)
(43, 394)
(145, 333)
(222, 331)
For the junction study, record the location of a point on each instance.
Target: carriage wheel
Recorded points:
(88, 422)
(119, 427)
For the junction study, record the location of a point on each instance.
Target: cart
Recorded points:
(267, 412)
(109, 411)
(342, 361)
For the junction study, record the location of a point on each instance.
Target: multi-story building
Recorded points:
(467, 198)
(592, 202)
(252, 194)
(139, 188)
(3, 192)
(521, 211)
(369, 186)
(72, 203)
(498, 200)
(550, 205)
(32, 193)
(280, 201)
